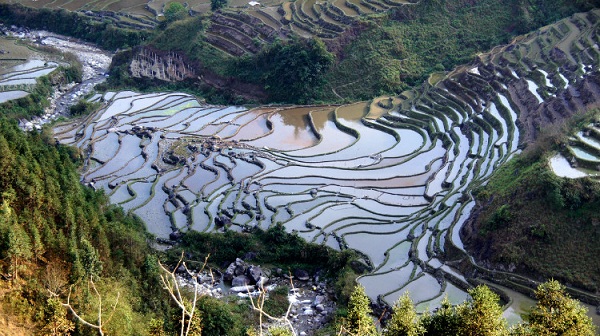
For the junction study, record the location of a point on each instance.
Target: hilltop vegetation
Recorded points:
(382, 54)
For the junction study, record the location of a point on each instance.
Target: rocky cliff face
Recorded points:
(168, 67)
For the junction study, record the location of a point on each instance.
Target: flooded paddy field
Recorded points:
(20, 67)
(394, 185)
(324, 172)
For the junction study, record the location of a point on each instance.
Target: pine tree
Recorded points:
(19, 248)
(359, 321)
(55, 318)
(405, 321)
(556, 313)
(444, 322)
(90, 261)
(482, 315)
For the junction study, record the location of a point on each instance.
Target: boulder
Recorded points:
(229, 272)
(254, 273)
(240, 269)
(262, 281)
(319, 299)
(175, 235)
(222, 220)
(301, 275)
(240, 280)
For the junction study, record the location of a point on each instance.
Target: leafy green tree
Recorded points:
(19, 248)
(156, 327)
(359, 320)
(55, 319)
(556, 313)
(292, 71)
(405, 321)
(6, 161)
(92, 266)
(444, 322)
(481, 315)
(217, 4)
(174, 11)
(279, 331)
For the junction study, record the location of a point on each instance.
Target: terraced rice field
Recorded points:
(129, 13)
(582, 155)
(19, 77)
(273, 18)
(390, 178)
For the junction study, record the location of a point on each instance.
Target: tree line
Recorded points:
(555, 313)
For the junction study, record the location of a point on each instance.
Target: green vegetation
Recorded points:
(400, 49)
(106, 34)
(359, 321)
(554, 314)
(83, 107)
(217, 4)
(175, 11)
(273, 247)
(405, 320)
(543, 224)
(292, 71)
(55, 234)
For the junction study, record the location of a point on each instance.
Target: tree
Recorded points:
(19, 247)
(56, 320)
(101, 322)
(405, 321)
(556, 313)
(444, 322)
(190, 321)
(92, 266)
(292, 71)
(156, 327)
(359, 321)
(481, 315)
(174, 11)
(217, 4)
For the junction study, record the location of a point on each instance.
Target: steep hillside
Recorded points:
(380, 47)
(534, 223)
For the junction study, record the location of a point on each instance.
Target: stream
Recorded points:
(95, 63)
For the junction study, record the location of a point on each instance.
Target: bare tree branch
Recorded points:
(170, 283)
(100, 325)
(259, 305)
